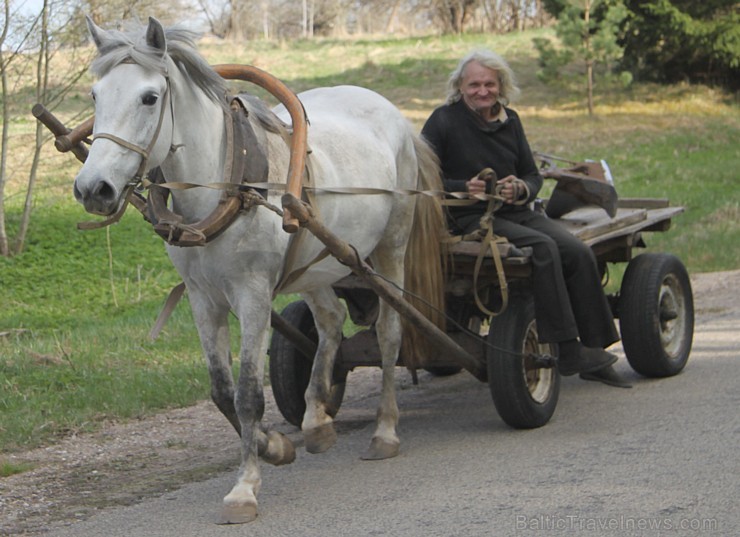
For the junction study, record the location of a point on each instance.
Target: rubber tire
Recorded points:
(654, 286)
(290, 371)
(522, 402)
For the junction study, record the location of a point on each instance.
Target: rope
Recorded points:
(489, 243)
(453, 198)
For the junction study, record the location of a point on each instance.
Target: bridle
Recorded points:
(145, 153)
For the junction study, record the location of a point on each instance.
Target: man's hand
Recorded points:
(477, 185)
(512, 189)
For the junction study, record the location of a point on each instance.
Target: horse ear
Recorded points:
(95, 31)
(155, 36)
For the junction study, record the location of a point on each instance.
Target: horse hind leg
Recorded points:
(318, 425)
(385, 442)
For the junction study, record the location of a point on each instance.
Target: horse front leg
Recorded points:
(318, 425)
(211, 320)
(240, 504)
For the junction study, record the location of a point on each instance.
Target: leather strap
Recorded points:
(169, 306)
(170, 226)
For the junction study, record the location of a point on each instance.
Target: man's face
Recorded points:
(479, 86)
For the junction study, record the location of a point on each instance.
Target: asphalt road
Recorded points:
(659, 459)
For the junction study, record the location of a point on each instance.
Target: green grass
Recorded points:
(10, 468)
(76, 307)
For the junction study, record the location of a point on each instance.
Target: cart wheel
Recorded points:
(290, 370)
(656, 315)
(525, 395)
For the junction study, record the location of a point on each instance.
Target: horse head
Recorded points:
(133, 115)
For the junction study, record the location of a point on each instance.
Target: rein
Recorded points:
(237, 195)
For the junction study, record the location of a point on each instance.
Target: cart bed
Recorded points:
(611, 238)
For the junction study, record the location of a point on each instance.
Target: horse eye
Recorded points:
(149, 99)
(92, 95)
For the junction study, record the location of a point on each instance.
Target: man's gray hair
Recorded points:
(509, 91)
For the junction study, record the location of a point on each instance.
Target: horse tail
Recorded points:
(426, 258)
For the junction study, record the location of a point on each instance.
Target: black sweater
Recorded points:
(466, 144)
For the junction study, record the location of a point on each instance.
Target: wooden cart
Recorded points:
(654, 306)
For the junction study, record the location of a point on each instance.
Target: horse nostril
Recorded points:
(77, 193)
(104, 191)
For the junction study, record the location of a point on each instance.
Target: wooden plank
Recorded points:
(472, 248)
(643, 203)
(652, 219)
(590, 222)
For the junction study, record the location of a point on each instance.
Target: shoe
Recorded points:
(607, 375)
(585, 360)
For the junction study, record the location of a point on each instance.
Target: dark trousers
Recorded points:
(568, 297)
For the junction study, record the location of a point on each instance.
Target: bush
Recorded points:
(683, 40)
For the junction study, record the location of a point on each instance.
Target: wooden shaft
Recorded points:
(301, 342)
(299, 138)
(75, 136)
(347, 255)
(60, 132)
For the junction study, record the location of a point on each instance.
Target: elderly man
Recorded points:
(475, 130)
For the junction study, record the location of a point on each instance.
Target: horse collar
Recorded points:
(170, 226)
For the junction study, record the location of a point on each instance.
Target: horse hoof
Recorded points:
(320, 438)
(237, 513)
(280, 449)
(381, 449)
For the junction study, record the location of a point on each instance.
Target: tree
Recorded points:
(9, 53)
(36, 38)
(588, 31)
(6, 117)
(673, 40)
(453, 15)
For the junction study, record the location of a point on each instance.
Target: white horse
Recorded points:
(159, 104)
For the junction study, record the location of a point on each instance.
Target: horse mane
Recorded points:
(118, 46)
(266, 117)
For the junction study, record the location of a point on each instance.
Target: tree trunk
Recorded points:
(389, 25)
(265, 20)
(235, 30)
(42, 82)
(590, 84)
(4, 137)
(589, 57)
(304, 19)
